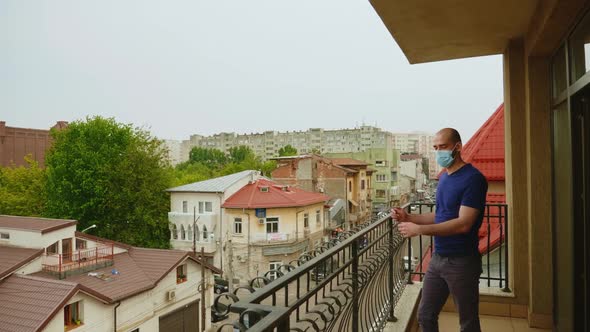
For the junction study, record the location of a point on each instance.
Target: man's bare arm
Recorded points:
(422, 219)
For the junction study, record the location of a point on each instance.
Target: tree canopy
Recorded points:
(287, 150)
(112, 175)
(22, 189)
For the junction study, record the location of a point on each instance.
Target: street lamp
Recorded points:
(87, 228)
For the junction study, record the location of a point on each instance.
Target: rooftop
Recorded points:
(215, 185)
(36, 224)
(28, 303)
(264, 193)
(13, 258)
(348, 162)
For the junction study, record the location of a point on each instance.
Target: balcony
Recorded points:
(361, 281)
(77, 262)
(188, 218)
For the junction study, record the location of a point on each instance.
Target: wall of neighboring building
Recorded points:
(97, 316)
(246, 252)
(31, 267)
(36, 240)
(16, 143)
(144, 310)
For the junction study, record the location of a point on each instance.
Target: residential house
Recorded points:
(53, 278)
(384, 178)
(196, 213)
(271, 224)
(350, 184)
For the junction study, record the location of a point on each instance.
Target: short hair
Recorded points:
(455, 137)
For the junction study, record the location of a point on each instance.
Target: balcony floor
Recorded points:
(449, 321)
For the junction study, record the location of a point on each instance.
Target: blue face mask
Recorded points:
(445, 157)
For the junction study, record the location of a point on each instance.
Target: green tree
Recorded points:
(22, 189)
(112, 175)
(287, 150)
(208, 157)
(242, 153)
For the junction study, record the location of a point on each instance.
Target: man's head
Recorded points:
(448, 139)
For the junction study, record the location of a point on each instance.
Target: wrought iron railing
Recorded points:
(351, 283)
(493, 246)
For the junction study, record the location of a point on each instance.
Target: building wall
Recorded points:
(36, 240)
(244, 254)
(16, 143)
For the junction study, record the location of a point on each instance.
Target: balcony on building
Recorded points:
(78, 261)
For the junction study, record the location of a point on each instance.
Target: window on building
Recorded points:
(189, 233)
(81, 244)
(393, 176)
(182, 233)
(181, 273)
(380, 163)
(4, 236)
(201, 207)
(381, 178)
(380, 193)
(306, 220)
(184, 206)
(272, 225)
(174, 231)
(362, 184)
(197, 233)
(208, 207)
(205, 234)
(274, 266)
(318, 217)
(238, 225)
(52, 249)
(349, 186)
(73, 315)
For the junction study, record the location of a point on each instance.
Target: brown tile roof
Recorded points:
(12, 258)
(43, 225)
(140, 269)
(103, 240)
(28, 303)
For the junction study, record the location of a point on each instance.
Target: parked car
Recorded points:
(221, 285)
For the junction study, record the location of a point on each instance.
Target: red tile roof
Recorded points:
(43, 225)
(251, 196)
(485, 150)
(12, 258)
(28, 303)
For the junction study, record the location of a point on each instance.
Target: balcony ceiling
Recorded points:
(429, 30)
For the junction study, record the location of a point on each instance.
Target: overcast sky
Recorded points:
(205, 66)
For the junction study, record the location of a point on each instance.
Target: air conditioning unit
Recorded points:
(261, 221)
(171, 295)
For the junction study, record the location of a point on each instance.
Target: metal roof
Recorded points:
(215, 185)
(43, 225)
(11, 258)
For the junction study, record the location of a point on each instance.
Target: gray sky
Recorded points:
(205, 66)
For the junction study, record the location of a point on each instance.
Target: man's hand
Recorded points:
(400, 215)
(409, 229)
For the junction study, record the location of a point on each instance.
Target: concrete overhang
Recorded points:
(428, 30)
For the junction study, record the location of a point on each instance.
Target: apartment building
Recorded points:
(54, 279)
(266, 145)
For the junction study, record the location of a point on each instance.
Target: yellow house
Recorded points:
(270, 225)
(546, 54)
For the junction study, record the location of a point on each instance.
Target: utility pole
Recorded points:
(203, 289)
(195, 219)
(231, 265)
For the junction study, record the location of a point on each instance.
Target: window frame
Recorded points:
(238, 223)
(269, 221)
(181, 273)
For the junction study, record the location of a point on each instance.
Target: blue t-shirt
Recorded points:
(468, 187)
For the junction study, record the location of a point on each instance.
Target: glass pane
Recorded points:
(579, 49)
(559, 71)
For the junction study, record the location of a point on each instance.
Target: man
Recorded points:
(455, 266)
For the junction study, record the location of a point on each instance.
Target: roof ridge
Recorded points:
(30, 217)
(43, 279)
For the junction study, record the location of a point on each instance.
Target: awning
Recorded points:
(353, 202)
